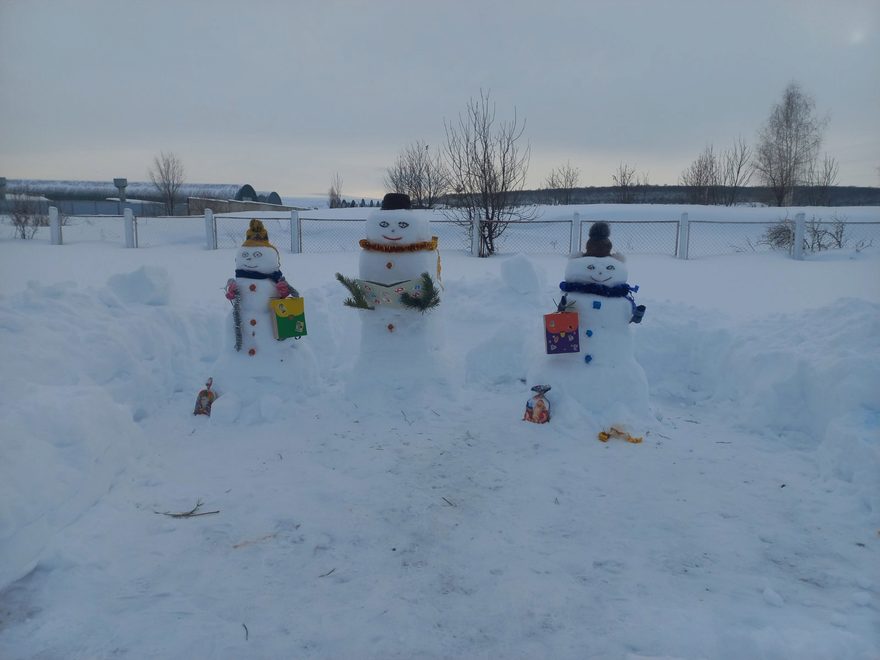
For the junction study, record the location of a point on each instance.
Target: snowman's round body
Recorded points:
(254, 293)
(604, 378)
(397, 344)
(389, 255)
(260, 380)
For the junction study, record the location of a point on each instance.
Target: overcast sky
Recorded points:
(283, 95)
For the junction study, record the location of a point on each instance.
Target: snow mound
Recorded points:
(89, 367)
(149, 285)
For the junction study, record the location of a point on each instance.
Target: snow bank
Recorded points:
(84, 367)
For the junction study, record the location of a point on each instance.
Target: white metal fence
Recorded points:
(682, 238)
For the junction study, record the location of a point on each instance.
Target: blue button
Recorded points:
(589, 333)
(597, 304)
(588, 358)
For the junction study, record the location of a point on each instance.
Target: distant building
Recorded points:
(104, 197)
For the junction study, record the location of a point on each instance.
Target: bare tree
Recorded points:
(624, 183)
(487, 167)
(28, 213)
(167, 175)
(736, 171)
(561, 182)
(821, 176)
(788, 143)
(701, 178)
(334, 195)
(420, 174)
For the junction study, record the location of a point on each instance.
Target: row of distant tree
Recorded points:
(480, 170)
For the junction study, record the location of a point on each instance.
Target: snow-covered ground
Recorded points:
(745, 526)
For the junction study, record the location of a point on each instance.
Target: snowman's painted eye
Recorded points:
(245, 254)
(258, 254)
(609, 267)
(591, 267)
(383, 224)
(403, 225)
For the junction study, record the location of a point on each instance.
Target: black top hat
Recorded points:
(395, 202)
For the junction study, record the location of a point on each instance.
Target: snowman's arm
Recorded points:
(231, 288)
(285, 290)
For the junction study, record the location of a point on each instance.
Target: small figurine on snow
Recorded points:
(258, 284)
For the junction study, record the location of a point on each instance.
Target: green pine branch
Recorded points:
(429, 299)
(357, 299)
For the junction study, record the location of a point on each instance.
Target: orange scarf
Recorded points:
(412, 247)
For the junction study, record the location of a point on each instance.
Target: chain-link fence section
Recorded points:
(683, 238)
(232, 229)
(637, 237)
(709, 238)
(170, 230)
(534, 236)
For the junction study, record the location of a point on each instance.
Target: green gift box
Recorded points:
(288, 318)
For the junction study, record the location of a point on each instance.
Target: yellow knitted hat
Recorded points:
(257, 235)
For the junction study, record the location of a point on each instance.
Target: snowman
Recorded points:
(398, 281)
(258, 280)
(603, 379)
(259, 378)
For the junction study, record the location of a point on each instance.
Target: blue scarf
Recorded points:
(254, 275)
(616, 291)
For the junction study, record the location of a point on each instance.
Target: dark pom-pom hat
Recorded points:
(396, 202)
(599, 243)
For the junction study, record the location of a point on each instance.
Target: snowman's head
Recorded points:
(395, 223)
(259, 258)
(608, 271)
(257, 253)
(597, 265)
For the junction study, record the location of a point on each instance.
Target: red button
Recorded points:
(253, 321)
(389, 265)
(253, 287)
(253, 351)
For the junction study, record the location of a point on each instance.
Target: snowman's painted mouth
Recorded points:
(595, 280)
(390, 238)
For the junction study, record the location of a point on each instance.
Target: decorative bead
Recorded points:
(253, 351)
(390, 327)
(389, 265)
(588, 358)
(597, 304)
(253, 287)
(589, 333)
(253, 321)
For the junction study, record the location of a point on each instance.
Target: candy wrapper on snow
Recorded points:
(538, 407)
(205, 399)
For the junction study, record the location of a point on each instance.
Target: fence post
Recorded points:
(130, 240)
(475, 236)
(54, 226)
(797, 248)
(295, 233)
(574, 241)
(210, 230)
(684, 231)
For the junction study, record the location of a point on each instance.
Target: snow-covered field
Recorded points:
(747, 525)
